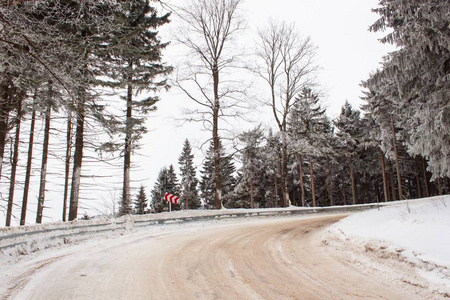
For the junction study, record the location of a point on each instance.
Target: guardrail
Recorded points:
(29, 238)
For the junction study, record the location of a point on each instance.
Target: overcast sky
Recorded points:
(347, 53)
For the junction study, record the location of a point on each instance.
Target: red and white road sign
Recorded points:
(172, 198)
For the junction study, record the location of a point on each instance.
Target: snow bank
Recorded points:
(413, 232)
(424, 229)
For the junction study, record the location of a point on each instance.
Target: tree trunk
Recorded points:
(377, 191)
(352, 177)
(127, 153)
(4, 116)
(447, 185)
(78, 159)
(186, 200)
(330, 187)
(447, 180)
(285, 201)
(416, 171)
(67, 164)
(12, 181)
(344, 194)
(391, 177)
(29, 162)
(425, 178)
(302, 184)
(313, 188)
(439, 185)
(366, 190)
(276, 187)
(284, 190)
(41, 197)
(217, 159)
(252, 204)
(383, 169)
(397, 163)
(410, 188)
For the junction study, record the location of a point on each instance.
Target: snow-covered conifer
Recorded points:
(189, 193)
(250, 181)
(418, 76)
(140, 204)
(166, 182)
(207, 181)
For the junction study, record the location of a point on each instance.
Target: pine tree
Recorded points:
(311, 133)
(166, 182)
(140, 204)
(382, 103)
(125, 208)
(348, 124)
(415, 78)
(272, 161)
(158, 191)
(173, 187)
(207, 181)
(134, 54)
(251, 173)
(189, 193)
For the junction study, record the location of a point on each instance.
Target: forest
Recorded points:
(79, 80)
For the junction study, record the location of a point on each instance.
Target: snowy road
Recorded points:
(273, 258)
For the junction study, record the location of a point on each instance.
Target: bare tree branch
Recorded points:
(287, 65)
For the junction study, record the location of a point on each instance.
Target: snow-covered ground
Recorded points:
(406, 241)
(413, 234)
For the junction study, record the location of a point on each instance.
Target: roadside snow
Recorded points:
(415, 233)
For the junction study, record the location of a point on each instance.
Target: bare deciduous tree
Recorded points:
(208, 31)
(286, 63)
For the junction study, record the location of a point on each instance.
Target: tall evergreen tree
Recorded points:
(310, 130)
(349, 125)
(173, 185)
(140, 204)
(207, 181)
(251, 173)
(158, 191)
(134, 53)
(89, 25)
(418, 73)
(189, 193)
(167, 182)
(272, 158)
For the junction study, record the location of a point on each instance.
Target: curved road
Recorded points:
(276, 258)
